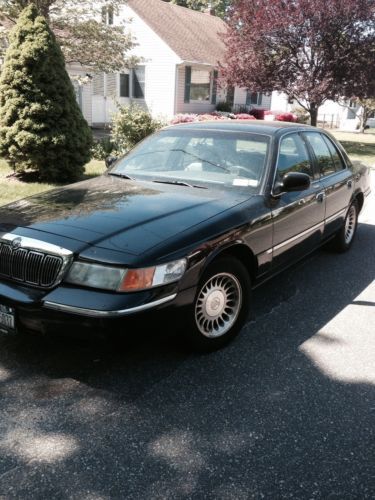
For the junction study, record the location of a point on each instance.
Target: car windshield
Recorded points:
(198, 158)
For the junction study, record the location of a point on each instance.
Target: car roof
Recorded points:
(256, 126)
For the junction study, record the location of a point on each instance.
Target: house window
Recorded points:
(253, 98)
(108, 15)
(200, 86)
(124, 85)
(139, 78)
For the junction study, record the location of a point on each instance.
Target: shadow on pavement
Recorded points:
(277, 414)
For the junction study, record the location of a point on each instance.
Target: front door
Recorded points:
(298, 217)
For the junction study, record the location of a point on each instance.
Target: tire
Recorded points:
(345, 236)
(221, 305)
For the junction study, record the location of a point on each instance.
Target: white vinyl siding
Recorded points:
(160, 67)
(98, 84)
(111, 85)
(83, 90)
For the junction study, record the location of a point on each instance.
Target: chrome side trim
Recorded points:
(335, 216)
(107, 314)
(298, 236)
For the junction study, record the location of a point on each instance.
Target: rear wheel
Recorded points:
(345, 236)
(221, 305)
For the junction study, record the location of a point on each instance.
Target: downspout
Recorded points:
(176, 90)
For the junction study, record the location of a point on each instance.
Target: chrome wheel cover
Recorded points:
(218, 305)
(350, 223)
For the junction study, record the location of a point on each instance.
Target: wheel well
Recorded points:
(360, 199)
(243, 254)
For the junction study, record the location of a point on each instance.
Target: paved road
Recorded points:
(287, 411)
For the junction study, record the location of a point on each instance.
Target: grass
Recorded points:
(360, 147)
(12, 189)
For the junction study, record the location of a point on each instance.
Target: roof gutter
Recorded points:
(198, 63)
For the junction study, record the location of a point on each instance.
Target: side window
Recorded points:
(322, 153)
(293, 157)
(124, 85)
(337, 160)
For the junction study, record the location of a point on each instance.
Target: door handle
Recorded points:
(320, 197)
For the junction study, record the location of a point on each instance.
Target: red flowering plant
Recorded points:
(286, 117)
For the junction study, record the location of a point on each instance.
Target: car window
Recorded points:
(337, 160)
(231, 159)
(326, 165)
(293, 157)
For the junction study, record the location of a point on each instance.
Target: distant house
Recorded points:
(344, 115)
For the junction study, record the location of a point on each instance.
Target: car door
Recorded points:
(298, 217)
(335, 177)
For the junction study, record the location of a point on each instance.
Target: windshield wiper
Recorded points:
(181, 183)
(123, 176)
(202, 159)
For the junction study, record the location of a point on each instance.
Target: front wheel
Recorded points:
(221, 305)
(345, 236)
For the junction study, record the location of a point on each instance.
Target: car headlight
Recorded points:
(125, 280)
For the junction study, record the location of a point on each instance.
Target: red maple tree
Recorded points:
(312, 50)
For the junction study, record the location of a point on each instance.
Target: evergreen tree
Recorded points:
(41, 126)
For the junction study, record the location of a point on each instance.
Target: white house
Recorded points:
(180, 50)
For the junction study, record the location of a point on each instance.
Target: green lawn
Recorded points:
(361, 147)
(12, 189)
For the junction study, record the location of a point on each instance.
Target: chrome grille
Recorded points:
(32, 264)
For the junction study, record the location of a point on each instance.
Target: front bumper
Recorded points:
(69, 309)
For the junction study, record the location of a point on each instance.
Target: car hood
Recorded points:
(116, 214)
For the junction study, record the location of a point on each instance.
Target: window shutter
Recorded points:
(214, 87)
(260, 98)
(187, 83)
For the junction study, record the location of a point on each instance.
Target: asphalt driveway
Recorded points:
(287, 411)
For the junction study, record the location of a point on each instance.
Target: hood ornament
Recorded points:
(16, 243)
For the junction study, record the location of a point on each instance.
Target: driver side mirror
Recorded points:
(110, 160)
(293, 181)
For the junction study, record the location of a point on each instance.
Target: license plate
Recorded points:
(7, 319)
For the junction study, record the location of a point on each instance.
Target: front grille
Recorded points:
(29, 266)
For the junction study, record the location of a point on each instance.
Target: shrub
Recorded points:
(244, 116)
(286, 117)
(103, 148)
(257, 113)
(281, 116)
(184, 118)
(302, 115)
(209, 117)
(131, 124)
(41, 126)
(224, 106)
(226, 115)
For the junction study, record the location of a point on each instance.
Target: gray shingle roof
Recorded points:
(193, 36)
